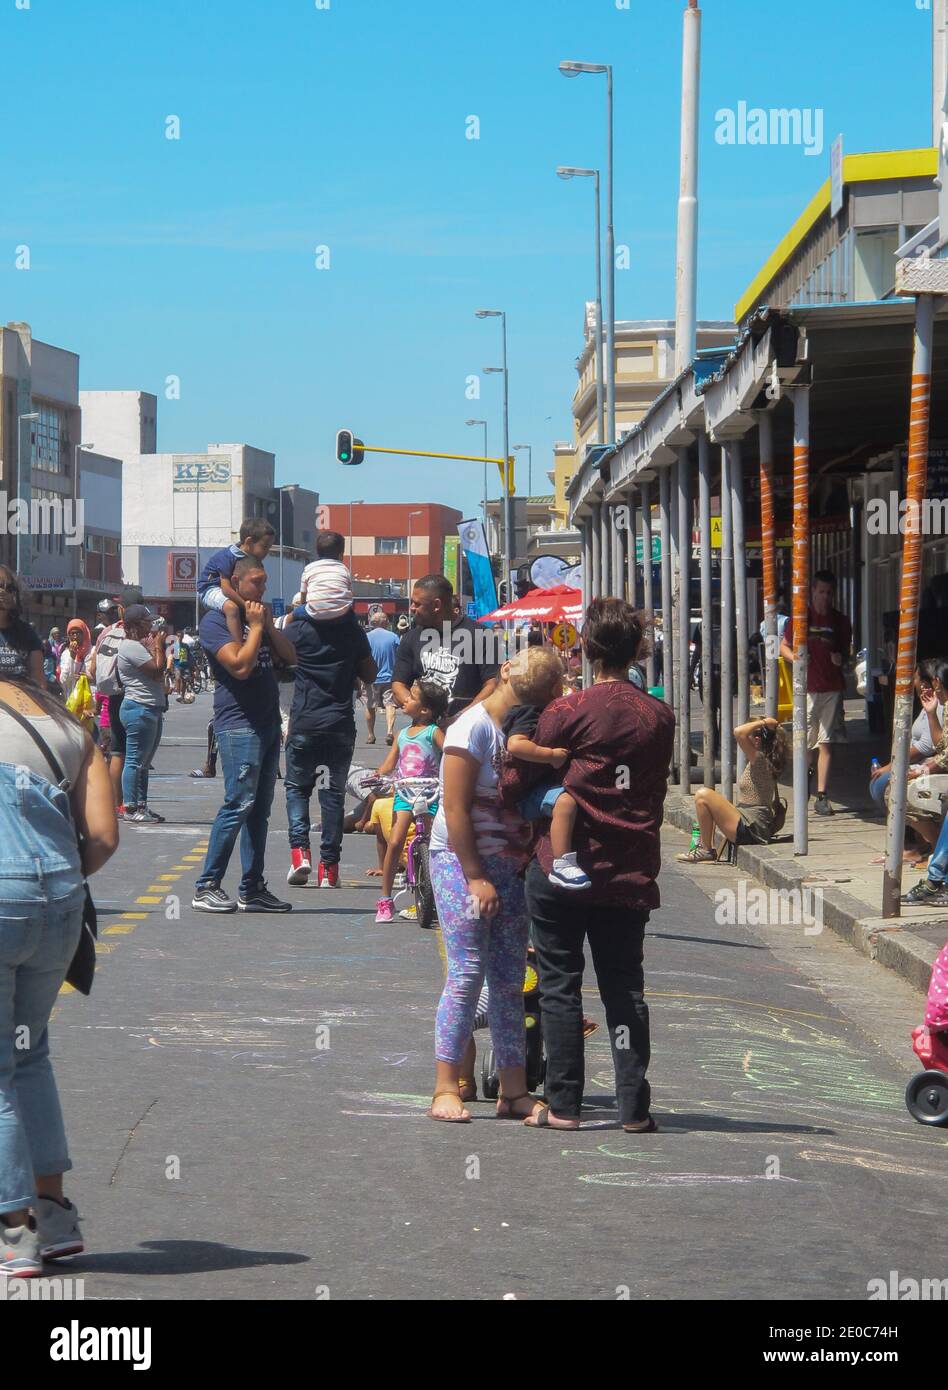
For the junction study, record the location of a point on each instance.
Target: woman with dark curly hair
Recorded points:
(620, 746)
(19, 641)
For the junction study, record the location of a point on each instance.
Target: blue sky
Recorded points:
(346, 128)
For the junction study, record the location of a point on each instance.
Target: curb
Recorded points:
(890, 944)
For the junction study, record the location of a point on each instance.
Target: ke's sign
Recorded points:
(193, 472)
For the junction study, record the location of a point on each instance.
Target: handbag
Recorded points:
(81, 971)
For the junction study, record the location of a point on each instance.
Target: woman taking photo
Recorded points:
(620, 744)
(477, 853)
(141, 669)
(41, 910)
(759, 813)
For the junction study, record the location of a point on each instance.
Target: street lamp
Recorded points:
(410, 515)
(30, 415)
(358, 503)
(280, 490)
(568, 171)
(75, 498)
(484, 423)
(529, 448)
(507, 499)
(570, 69)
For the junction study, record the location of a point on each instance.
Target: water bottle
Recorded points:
(873, 766)
(695, 835)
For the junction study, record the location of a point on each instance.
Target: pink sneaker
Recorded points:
(385, 911)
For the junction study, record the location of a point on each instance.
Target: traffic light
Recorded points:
(347, 447)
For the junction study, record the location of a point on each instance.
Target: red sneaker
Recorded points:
(328, 875)
(301, 866)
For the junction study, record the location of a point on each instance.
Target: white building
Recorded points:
(120, 423)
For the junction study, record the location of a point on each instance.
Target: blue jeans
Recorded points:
(142, 737)
(40, 921)
(249, 762)
(877, 788)
(938, 864)
(321, 761)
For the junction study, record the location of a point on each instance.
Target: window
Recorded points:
(875, 264)
(48, 439)
(391, 545)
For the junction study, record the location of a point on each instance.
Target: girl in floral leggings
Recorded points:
(477, 854)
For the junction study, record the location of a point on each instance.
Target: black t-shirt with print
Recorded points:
(460, 658)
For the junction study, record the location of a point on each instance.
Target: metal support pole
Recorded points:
(740, 592)
(630, 551)
(664, 517)
(595, 531)
(769, 562)
(618, 554)
(916, 481)
(600, 384)
(648, 601)
(939, 64)
(610, 277)
(586, 530)
(197, 545)
(282, 590)
(727, 631)
(687, 250)
(801, 609)
(684, 616)
(674, 634)
(605, 550)
(707, 629)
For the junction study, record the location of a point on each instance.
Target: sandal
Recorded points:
(508, 1113)
(650, 1128)
(462, 1119)
(467, 1088)
(541, 1120)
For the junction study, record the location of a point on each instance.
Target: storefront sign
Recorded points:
(209, 472)
(182, 572)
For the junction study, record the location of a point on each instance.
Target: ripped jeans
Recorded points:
(249, 762)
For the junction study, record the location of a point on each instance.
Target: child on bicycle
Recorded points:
(416, 754)
(536, 678)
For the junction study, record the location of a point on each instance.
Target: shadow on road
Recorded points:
(705, 940)
(182, 1257)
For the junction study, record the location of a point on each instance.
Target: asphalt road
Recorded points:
(245, 1098)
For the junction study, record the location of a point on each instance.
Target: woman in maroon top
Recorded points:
(620, 743)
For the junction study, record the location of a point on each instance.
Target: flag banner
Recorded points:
(450, 563)
(474, 544)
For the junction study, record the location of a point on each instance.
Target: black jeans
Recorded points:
(560, 922)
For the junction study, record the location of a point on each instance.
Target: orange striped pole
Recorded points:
(801, 609)
(915, 485)
(768, 560)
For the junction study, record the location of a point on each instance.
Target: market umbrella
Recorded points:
(542, 606)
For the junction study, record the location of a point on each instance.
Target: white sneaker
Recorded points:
(58, 1229)
(20, 1256)
(566, 873)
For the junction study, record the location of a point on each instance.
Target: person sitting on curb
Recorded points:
(759, 813)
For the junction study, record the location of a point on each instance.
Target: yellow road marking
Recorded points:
(168, 878)
(146, 899)
(135, 916)
(120, 929)
(66, 989)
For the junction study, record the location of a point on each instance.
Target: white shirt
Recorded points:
(477, 734)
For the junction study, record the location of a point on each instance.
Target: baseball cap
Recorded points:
(138, 613)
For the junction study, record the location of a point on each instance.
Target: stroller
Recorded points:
(535, 1056)
(927, 1093)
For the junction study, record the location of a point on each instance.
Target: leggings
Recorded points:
(475, 948)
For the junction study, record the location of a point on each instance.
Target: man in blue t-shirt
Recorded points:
(247, 727)
(384, 645)
(331, 655)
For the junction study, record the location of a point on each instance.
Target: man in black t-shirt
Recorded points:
(441, 647)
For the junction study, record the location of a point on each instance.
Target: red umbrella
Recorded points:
(543, 606)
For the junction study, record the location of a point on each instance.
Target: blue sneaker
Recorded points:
(566, 873)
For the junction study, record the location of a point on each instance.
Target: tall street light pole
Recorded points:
(31, 415)
(571, 69)
(75, 507)
(410, 515)
(358, 503)
(508, 499)
(282, 589)
(484, 423)
(567, 171)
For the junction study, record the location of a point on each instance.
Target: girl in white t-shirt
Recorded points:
(477, 853)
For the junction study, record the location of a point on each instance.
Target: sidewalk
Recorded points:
(841, 851)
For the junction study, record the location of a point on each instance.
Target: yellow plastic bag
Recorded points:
(80, 702)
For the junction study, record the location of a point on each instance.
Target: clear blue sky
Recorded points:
(346, 127)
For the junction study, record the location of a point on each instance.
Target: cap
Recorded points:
(107, 605)
(138, 613)
(54, 629)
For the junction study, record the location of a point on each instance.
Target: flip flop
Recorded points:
(650, 1128)
(541, 1120)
